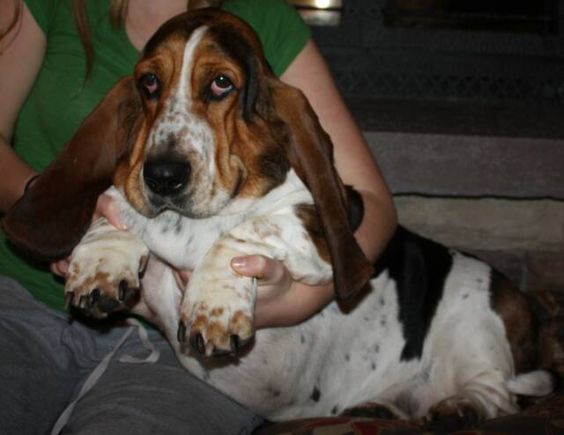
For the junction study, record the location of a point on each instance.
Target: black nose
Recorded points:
(166, 177)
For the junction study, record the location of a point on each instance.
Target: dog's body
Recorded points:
(433, 331)
(425, 331)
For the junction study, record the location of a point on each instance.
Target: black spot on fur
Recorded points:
(316, 395)
(420, 267)
(302, 339)
(178, 227)
(335, 410)
(355, 208)
(347, 357)
(274, 392)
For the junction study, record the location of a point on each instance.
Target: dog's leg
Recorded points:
(104, 270)
(218, 305)
(217, 310)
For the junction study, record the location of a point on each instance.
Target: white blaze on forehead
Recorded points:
(177, 119)
(183, 91)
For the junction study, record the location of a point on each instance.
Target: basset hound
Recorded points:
(209, 156)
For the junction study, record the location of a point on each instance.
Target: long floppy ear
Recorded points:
(310, 152)
(52, 216)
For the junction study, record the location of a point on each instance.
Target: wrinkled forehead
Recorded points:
(200, 32)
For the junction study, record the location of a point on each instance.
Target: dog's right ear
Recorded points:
(53, 215)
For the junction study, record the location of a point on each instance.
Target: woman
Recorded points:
(54, 81)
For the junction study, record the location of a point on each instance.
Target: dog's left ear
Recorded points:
(52, 216)
(310, 152)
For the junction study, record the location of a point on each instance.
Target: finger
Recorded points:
(106, 207)
(267, 270)
(182, 277)
(60, 267)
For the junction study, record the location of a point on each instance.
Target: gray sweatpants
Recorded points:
(45, 358)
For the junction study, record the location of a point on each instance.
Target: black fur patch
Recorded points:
(420, 267)
(316, 395)
(355, 208)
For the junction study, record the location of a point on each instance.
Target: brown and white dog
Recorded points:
(212, 157)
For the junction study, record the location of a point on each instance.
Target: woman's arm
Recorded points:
(21, 54)
(353, 158)
(281, 301)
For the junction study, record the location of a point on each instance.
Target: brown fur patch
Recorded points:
(216, 312)
(100, 281)
(243, 324)
(308, 215)
(217, 334)
(513, 308)
(248, 158)
(200, 322)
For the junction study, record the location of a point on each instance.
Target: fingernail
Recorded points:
(120, 226)
(238, 262)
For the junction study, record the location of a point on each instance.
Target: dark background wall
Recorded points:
(378, 52)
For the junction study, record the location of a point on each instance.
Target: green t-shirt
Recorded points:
(60, 98)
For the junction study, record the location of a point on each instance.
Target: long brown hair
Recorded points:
(116, 14)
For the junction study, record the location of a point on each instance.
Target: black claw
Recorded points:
(106, 305)
(93, 297)
(200, 345)
(126, 294)
(122, 290)
(197, 343)
(69, 296)
(181, 334)
(219, 353)
(234, 342)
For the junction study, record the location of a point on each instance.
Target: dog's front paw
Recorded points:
(218, 322)
(217, 331)
(105, 277)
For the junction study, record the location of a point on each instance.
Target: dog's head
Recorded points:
(202, 127)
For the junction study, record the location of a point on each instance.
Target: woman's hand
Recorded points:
(281, 301)
(105, 208)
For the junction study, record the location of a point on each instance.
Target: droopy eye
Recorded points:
(150, 85)
(220, 87)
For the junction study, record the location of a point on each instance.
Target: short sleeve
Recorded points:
(43, 11)
(281, 30)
